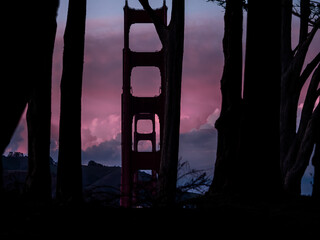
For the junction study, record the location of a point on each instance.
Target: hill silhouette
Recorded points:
(97, 179)
(101, 184)
(224, 214)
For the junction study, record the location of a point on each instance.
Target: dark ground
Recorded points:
(223, 216)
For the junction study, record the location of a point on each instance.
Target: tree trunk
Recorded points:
(286, 22)
(258, 168)
(316, 164)
(300, 151)
(14, 88)
(293, 79)
(171, 132)
(287, 112)
(231, 89)
(292, 181)
(172, 38)
(38, 183)
(69, 176)
(292, 82)
(18, 48)
(304, 19)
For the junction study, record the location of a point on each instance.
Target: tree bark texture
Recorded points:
(231, 89)
(69, 176)
(38, 182)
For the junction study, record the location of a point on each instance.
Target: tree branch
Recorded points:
(310, 100)
(313, 9)
(318, 93)
(308, 139)
(308, 70)
(159, 25)
(309, 38)
(316, 113)
(301, 52)
(304, 19)
(311, 22)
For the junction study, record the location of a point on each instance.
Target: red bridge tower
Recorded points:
(139, 108)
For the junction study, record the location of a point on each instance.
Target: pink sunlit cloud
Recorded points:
(102, 84)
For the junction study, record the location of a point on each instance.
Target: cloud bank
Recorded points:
(102, 87)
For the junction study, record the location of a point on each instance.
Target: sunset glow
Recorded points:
(102, 82)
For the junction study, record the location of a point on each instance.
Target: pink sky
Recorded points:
(102, 83)
(102, 78)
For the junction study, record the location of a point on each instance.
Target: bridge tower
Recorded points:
(135, 108)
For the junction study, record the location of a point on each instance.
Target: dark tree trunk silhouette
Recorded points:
(172, 39)
(286, 49)
(293, 79)
(253, 123)
(15, 85)
(258, 170)
(38, 182)
(292, 181)
(69, 177)
(273, 156)
(304, 19)
(316, 164)
(231, 88)
(170, 143)
(27, 49)
(299, 154)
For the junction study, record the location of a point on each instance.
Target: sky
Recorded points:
(102, 81)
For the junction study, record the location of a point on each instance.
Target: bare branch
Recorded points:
(308, 70)
(159, 25)
(310, 100)
(297, 14)
(309, 38)
(308, 139)
(301, 52)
